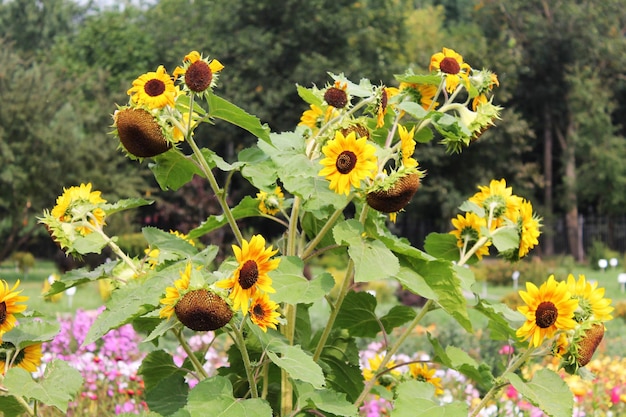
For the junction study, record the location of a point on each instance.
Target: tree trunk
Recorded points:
(548, 235)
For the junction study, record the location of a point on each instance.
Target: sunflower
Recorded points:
(548, 309)
(153, 89)
(71, 201)
(270, 203)
(591, 301)
(28, 358)
(407, 146)
(8, 305)
(451, 65)
(467, 232)
(422, 94)
(251, 274)
(373, 367)
(173, 294)
(337, 95)
(528, 226)
(199, 73)
(497, 200)
(263, 311)
(421, 372)
(348, 161)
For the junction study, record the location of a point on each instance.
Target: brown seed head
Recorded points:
(449, 66)
(202, 310)
(198, 76)
(397, 196)
(336, 97)
(140, 133)
(589, 343)
(360, 131)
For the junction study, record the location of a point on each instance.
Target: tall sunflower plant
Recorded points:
(333, 185)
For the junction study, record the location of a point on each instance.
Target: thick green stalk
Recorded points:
(194, 360)
(310, 247)
(241, 344)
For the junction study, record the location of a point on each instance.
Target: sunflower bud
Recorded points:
(202, 310)
(393, 198)
(140, 133)
(589, 343)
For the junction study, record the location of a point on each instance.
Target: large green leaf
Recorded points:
(546, 390)
(172, 169)
(166, 389)
(214, 397)
(325, 400)
(214, 160)
(414, 282)
(505, 239)
(340, 361)
(11, 407)
(82, 275)
(170, 246)
(225, 110)
(502, 320)
(442, 246)
(247, 207)
(455, 358)
(357, 315)
(258, 168)
(59, 384)
(292, 287)
(32, 330)
(414, 399)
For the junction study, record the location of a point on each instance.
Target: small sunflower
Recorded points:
(548, 309)
(529, 228)
(337, 95)
(173, 294)
(497, 199)
(8, 305)
(348, 161)
(28, 358)
(154, 90)
(198, 73)
(591, 301)
(407, 146)
(263, 311)
(421, 372)
(422, 94)
(467, 232)
(386, 379)
(72, 200)
(451, 65)
(251, 275)
(270, 203)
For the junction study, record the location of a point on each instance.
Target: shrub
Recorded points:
(24, 261)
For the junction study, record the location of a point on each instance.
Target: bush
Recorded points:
(599, 251)
(500, 272)
(24, 261)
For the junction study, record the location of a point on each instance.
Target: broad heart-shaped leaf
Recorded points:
(59, 384)
(414, 399)
(32, 330)
(166, 389)
(325, 400)
(308, 96)
(258, 168)
(92, 243)
(214, 397)
(414, 282)
(214, 160)
(505, 239)
(414, 109)
(11, 407)
(247, 207)
(172, 169)
(80, 276)
(293, 288)
(546, 390)
(126, 204)
(502, 320)
(340, 361)
(442, 246)
(225, 110)
(455, 358)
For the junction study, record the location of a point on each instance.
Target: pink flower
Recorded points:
(506, 350)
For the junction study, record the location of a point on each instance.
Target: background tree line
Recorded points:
(561, 65)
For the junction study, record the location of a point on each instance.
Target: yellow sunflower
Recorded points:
(407, 146)
(467, 232)
(591, 301)
(72, 199)
(173, 294)
(153, 89)
(374, 364)
(548, 309)
(497, 199)
(251, 275)
(383, 104)
(529, 228)
(422, 94)
(451, 65)
(421, 372)
(199, 73)
(270, 203)
(8, 305)
(28, 358)
(263, 311)
(348, 161)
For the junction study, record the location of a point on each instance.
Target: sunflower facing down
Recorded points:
(591, 302)
(28, 358)
(498, 200)
(263, 311)
(348, 161)
(548, 309)
(8, 305)
(251, 275)
(72, 200)
(154, 90)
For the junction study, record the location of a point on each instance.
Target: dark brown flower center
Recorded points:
(546, 314)
(140, 133)
(154, 87)
(198, 76)
(449, 66)
(248, 274)
(346, 161)
(258, 311)
(336, 97)
(384, 99)
(3, 312)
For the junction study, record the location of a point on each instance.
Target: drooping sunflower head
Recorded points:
(528, 231)
(9, 299)
(451, 65)
(407, 146)
(153, 90)
(203, 310)
(80, 203)
(337, 95)
(395, 191)
(140, 133)
(498, 201)
(467, 230)
(263, 311)
(549, 309)
(347, 162)
(591, 302)
(251, 274)
(199, 74)
(27, 358)
(421, 372)
(270, 203)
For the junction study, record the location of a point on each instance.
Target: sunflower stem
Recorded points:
(394, 348)
(241, 345)
(194, 360)
(310, 247)
(115, 248)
